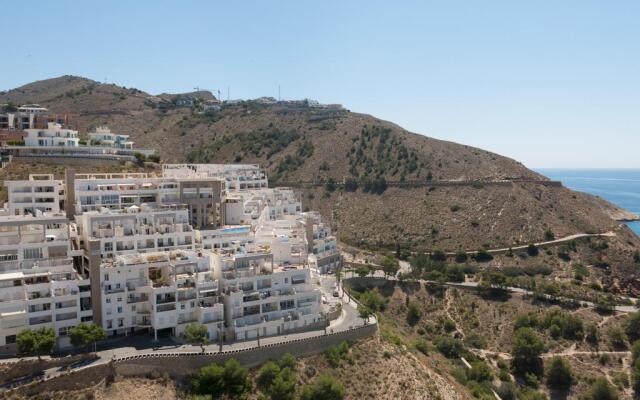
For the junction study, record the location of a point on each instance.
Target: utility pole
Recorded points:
(220, 337)
(228, 98)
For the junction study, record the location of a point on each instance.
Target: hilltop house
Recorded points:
(104, 137)
(52, 136)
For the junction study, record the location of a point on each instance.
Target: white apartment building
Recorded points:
(323, 247)
(92, 192)
(38, 284)
(203, 197)
(162, 292)
(39, 193)
(53, 136)
(137, 229)
(104, 137)
(236, 176)
(262, 298)
(225, 239)
(253, 207)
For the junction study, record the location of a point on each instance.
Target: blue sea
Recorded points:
(619, 186)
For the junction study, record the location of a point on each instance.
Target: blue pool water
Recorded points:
(242, 229)
(619, 186)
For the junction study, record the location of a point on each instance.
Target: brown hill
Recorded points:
(297, 143)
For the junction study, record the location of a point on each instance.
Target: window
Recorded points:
(119, 299)
(10, 339)
(119, 310)
(109, 324)
(108, 300)
(106, 277)
(30, 254)
(108, 246)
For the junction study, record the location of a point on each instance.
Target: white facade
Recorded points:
(53, 136)
(323, 255)
(40, 193)
(117, 191)
(104, 137)
(236, 176)
(38, 285)
(150, 267)
(137, 229)
(262, 298)
(160, 291)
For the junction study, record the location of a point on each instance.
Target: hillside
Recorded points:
(298, 143)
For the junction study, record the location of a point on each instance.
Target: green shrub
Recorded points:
(414, 313)
(559, 374)
(335, 354)
(325, 388)
(601, 389)
(449, 347)
(422, 346)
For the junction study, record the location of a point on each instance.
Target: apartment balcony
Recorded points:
(11, 265)
(134, 284)
(65, 292)
(252, 297)
(166, 307)
(66, 316)
(137, 299)
(187, 319)
(165, 299)
(186, 296)
(47, 319)
(113, 290)
(142, 322)
(38, 295)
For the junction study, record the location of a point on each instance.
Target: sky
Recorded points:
(548, 83)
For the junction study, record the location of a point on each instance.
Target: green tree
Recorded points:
(84, 334)
(287, 361)
(216, 380)
(461, 257)
(36, 342)
(364, 312)
(617, 337)
(591, 335)
(526, 349)
(559, 373)
(283, 386)
(330, 185)
(196, 333)
(209, 381)
(140, 158)
(632, 326)
(549, 235)
(278, 383)
(532, 250)
(480, 372)
(601, 390)
(362, 271)
(325, 388)
(390, 266)
(266, 375)
(414, 313)
(448, 346)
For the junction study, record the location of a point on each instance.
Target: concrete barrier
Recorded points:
(178, 365)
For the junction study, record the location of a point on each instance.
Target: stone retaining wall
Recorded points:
(178, 365)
